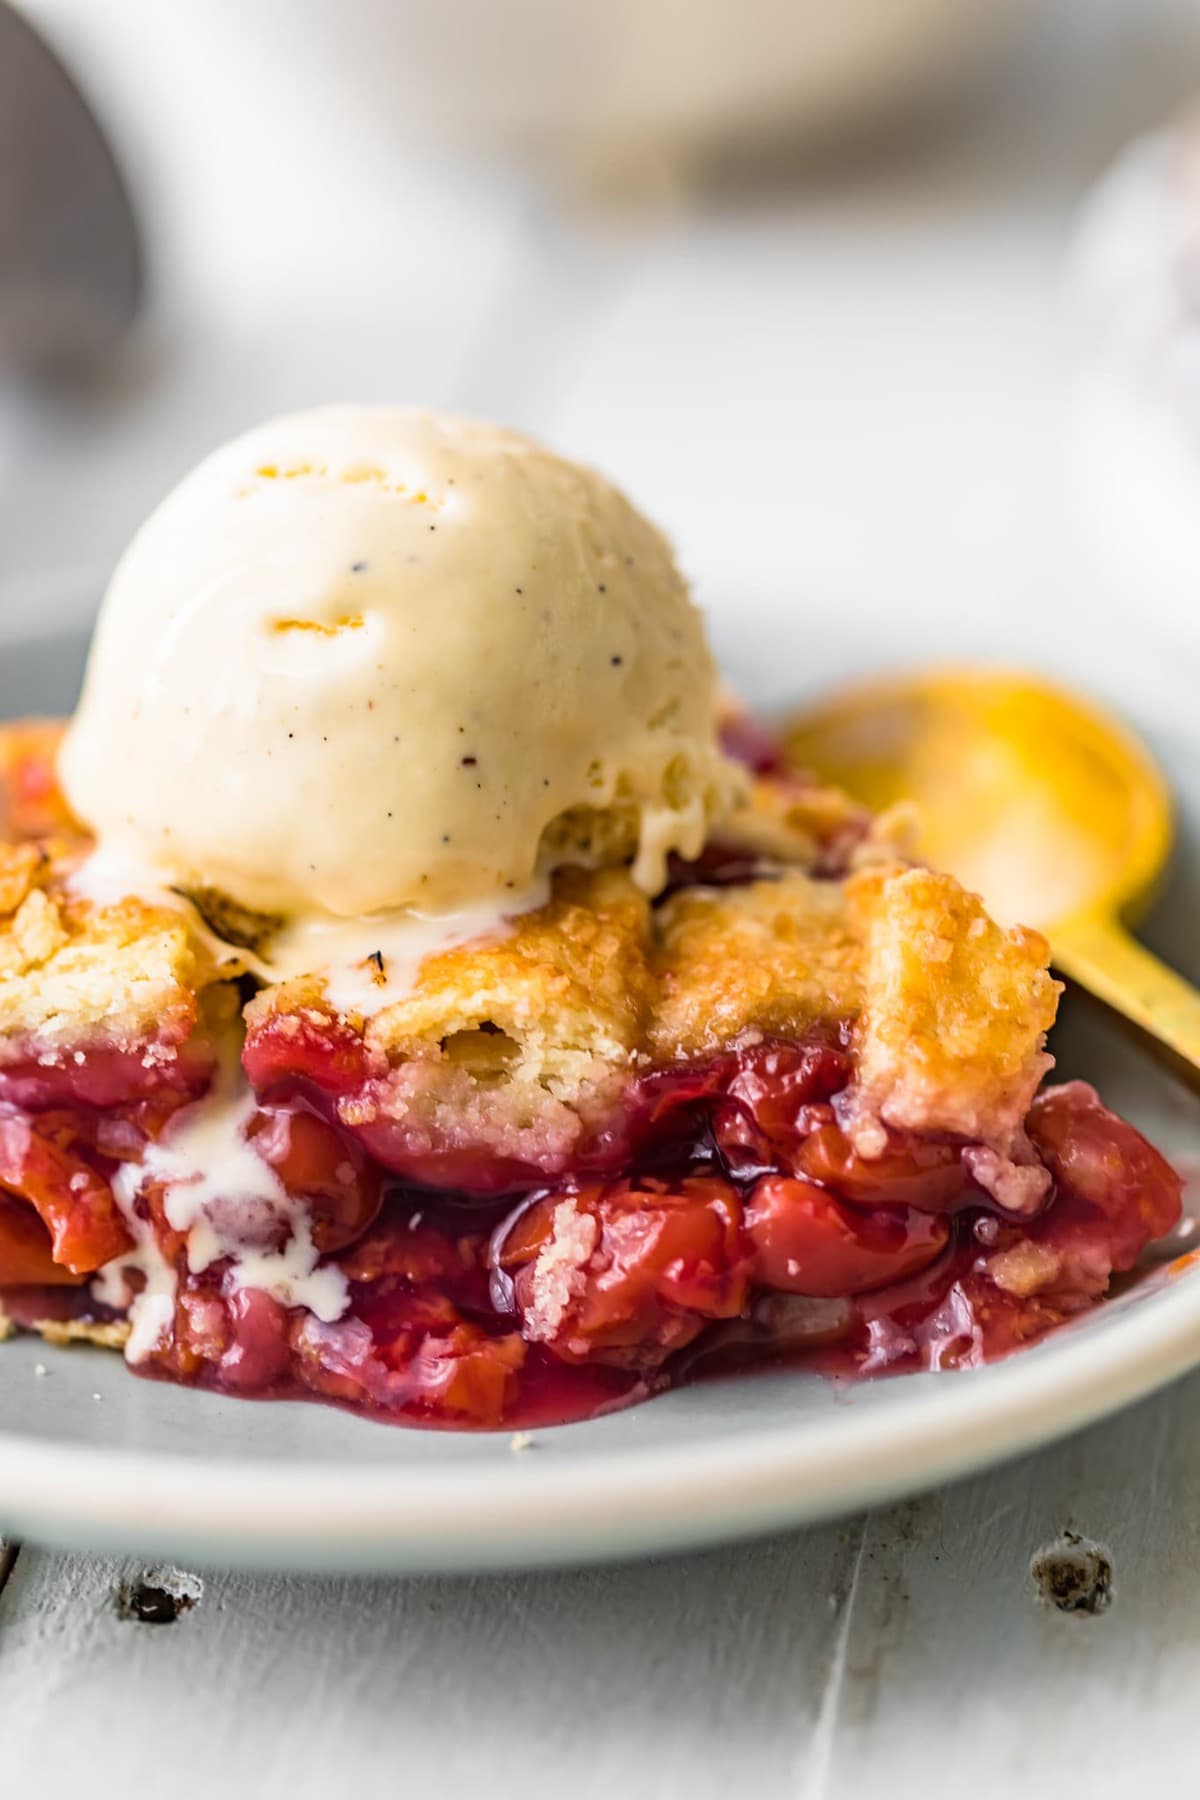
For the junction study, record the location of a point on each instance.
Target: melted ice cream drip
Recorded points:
(231, 1205)
(366, 963)
(372, 962)
(106, 877)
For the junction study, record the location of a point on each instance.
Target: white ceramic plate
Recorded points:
(92, 1456)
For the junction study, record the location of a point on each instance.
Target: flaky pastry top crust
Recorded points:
(829, 931)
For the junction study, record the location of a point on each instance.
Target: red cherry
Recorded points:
(105, 1078)
(322, 1167)
(1109, 1181)
(258, 1355)
(911, 1172)
(286, 1051)
(807, 1242)
(626, 1272)
(774, 1096)
(26, 1258)
(75, 1204)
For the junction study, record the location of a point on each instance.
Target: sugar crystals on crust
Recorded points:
(72, 973)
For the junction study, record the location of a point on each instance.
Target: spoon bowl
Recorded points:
(1033, 797)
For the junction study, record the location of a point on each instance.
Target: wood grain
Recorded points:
(953, 1631)
(630, 1677)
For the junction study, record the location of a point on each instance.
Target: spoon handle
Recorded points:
(1101, 956)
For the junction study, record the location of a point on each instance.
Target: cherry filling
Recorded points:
(724, 1215)
(169, 1074)
(752, 743)
(421, 1122)
(626, 1272)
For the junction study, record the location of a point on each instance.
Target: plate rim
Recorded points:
(611, 1504)
(608, 1503)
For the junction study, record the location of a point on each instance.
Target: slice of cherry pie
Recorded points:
(788, 1108)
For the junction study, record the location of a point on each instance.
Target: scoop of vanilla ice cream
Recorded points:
(366, 658)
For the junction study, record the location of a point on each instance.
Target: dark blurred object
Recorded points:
(71, 270)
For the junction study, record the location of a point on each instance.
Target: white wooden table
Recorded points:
(849, 397)
(906, 1653)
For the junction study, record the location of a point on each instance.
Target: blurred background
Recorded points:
(829, 288)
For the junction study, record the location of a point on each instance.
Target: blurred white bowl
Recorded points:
(274, 146)
(1135, 270)
(595, 76)
(561, 74)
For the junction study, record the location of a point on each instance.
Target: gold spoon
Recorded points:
(1037, 800)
